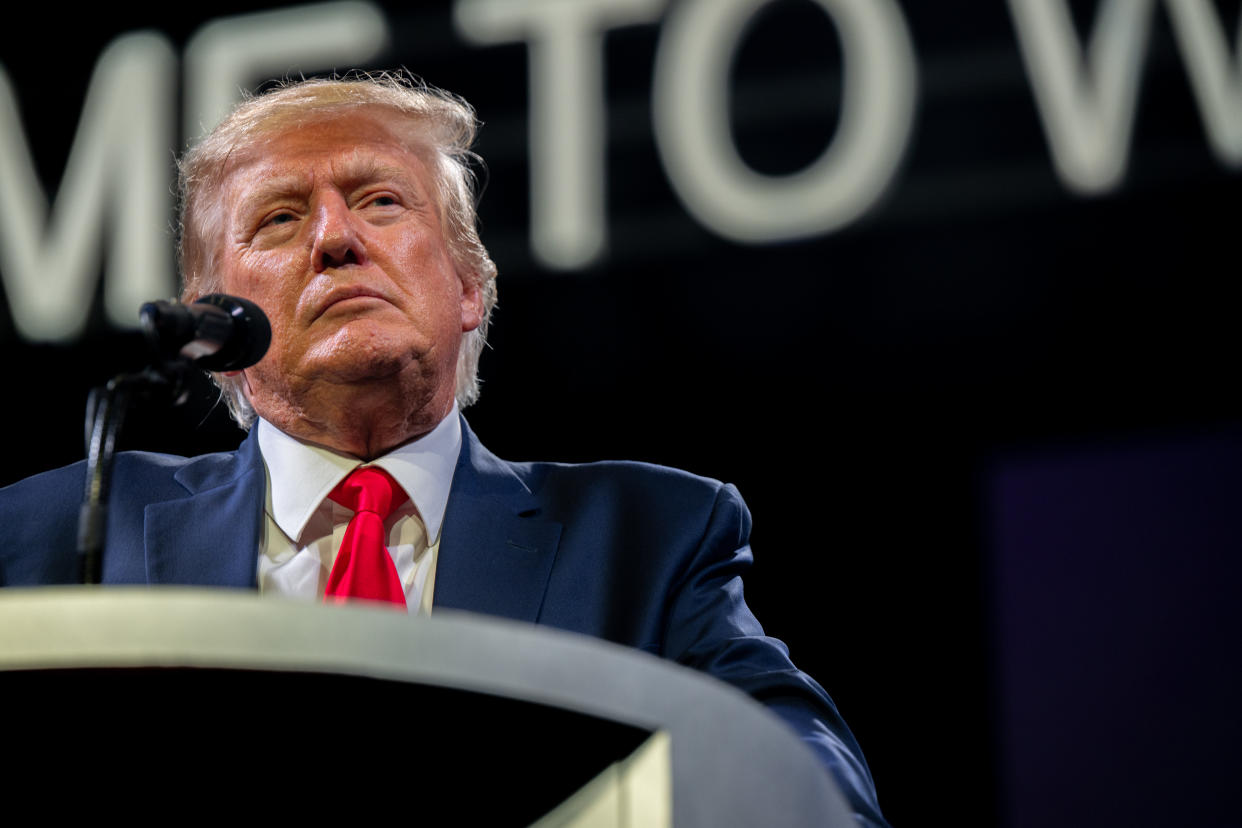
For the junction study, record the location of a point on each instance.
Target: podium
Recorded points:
(207, 699)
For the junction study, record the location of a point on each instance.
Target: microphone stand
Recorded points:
(105, 413)
(215, 333)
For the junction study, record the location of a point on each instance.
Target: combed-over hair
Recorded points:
(438, 125)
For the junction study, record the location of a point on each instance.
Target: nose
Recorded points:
(336, 241)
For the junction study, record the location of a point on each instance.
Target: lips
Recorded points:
(344, 293)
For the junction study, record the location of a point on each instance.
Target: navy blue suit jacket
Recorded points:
(641, 555)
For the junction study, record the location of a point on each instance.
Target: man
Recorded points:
(344, 209)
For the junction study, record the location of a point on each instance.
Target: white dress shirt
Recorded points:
(303, 529)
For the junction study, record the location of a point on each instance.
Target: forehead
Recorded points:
(347, 144)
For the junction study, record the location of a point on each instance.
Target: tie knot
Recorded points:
(369, 489)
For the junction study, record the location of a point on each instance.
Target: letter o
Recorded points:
(691, 118)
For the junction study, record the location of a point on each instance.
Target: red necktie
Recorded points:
(363, 567)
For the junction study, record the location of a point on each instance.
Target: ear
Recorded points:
(471, 305)
(245, 381)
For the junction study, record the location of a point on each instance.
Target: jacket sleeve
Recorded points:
(710, 628)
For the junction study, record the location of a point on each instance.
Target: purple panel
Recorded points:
(1118, 627)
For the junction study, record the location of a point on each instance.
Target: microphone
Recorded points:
(216, 332)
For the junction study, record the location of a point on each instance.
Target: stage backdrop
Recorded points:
(851, 255)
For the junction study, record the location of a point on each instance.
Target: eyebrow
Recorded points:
(354, 174)
(273, 189)
(364, 171)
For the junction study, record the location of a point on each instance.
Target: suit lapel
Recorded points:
(210, 537)
(496, 547)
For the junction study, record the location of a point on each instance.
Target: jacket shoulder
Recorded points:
(70, 481)
(631, 486)
(131, 467)
(39, 514)
(618, 474)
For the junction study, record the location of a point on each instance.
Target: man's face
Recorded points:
(333, 229)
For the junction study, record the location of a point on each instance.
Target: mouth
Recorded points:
(348, 295)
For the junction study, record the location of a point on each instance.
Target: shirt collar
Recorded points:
(301, 475)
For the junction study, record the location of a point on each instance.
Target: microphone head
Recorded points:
(248, 339)
(216, 333)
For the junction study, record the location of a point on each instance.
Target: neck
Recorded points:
(366, 422)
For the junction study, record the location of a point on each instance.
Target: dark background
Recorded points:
(865, 389)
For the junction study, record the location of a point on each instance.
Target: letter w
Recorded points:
(1218, 85)
(1088, 112)
(118, 175)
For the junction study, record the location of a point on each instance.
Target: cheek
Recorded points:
(261, 279)
(237, 275)
(428, 265)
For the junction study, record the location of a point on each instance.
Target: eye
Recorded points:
(278, 218)
(381, 200)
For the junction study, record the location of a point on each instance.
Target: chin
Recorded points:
(362, 348)
(365, 366)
